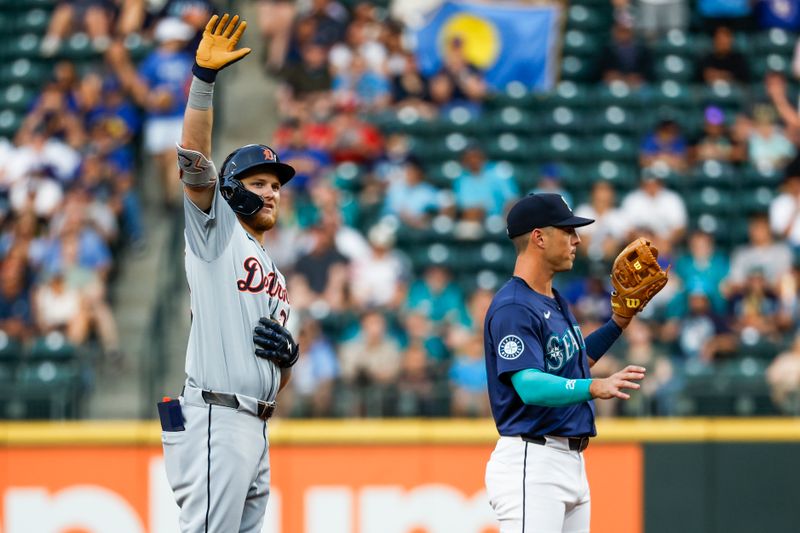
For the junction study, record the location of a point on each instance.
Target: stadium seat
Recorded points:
(774, 41)
(715, 173)
(52, 347)
(589, 19)
(622, 176)
(24, 71)
(34, 21)
(709, 200)
(612, 146)
(16, 97)
(671, 94)
(348, 176)
(9, 122)
(25, 45)
(513, 119)
(508, 146)
(754, 200)
(680, 43)
(563, 119)
(728, 96)
(576, 68)
(752, 176)
(515, 94)
(620, 94)
(760, 65)
(615, 119)
(674, 67)
(558, 147)
(580, 43)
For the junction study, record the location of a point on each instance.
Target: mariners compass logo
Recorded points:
(510, 347)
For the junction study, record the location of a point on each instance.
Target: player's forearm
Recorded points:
(198, 119)
(535, 387)
(600, 340)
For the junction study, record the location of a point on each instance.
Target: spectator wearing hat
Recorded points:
(665, 146)
(716, 143)
(784, 209)
(656, 208)
(723, 63)
(159, 86)
(768, 147)
(699, 334)
(410, 198)
(377, 279)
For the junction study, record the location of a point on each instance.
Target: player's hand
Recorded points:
(217, 49)
(612, 386)
(274, 342)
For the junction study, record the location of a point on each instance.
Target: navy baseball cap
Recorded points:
(541, 210)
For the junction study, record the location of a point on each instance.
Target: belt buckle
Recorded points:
(265, 409)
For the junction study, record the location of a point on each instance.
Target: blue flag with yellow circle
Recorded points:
(507, 41)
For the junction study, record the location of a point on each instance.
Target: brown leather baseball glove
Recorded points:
(636, 277)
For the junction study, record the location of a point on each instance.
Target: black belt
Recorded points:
(576, 444)
(265, 409)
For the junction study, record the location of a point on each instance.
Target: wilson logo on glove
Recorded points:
(636, 277)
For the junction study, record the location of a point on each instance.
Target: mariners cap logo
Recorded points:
(510, 347)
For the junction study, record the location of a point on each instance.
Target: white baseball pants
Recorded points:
(537, 488)
(218, 467)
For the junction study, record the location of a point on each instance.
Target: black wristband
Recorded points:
(205, 74)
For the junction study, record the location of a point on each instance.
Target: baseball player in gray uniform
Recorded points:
(239, 354)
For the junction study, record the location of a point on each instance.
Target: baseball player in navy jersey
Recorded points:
(540, 388)
(239, 354)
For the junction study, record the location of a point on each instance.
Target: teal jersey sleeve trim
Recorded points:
(539, 388)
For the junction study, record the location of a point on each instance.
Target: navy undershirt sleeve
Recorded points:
(600, 340)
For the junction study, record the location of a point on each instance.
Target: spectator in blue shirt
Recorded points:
(481, 190)
(436, 295)
(161, 87)
(309, 163)
(665, 145)
(359, 84)
(410, 198)
(703, 267)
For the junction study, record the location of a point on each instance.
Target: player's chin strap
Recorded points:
(196, 170)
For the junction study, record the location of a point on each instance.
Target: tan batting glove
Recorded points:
(217, 49)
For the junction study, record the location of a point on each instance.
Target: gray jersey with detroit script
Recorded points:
(233, 282)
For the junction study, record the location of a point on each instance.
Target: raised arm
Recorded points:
(216, 51)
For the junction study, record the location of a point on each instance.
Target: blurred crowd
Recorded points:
(69, 206)
(383, 334)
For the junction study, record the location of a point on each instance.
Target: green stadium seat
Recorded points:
(728, 96)
(752, 176)
(567, 94)
(709, 200)
(754, 200)
(26, 45)
(623, 177)
(16, 97)
(9, 123)
(11, 350)
(615, 119)
(442, 174)
(589, 19)
(612, 146)
(563, 119)
(34, 21)
(774, 41)
(558, 147)
(618, 93)
(672, 94)
(508, 146)
(715, 173)
(674, 67)
(760, 65)
(680, 43)
(24, 71)
(576, 68)
(52, 347)
(580, 43)
(515, 94)
(513, 119)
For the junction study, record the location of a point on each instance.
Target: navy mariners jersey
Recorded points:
(525, 329)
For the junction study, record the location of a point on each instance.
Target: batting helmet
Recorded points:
(242, 160)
